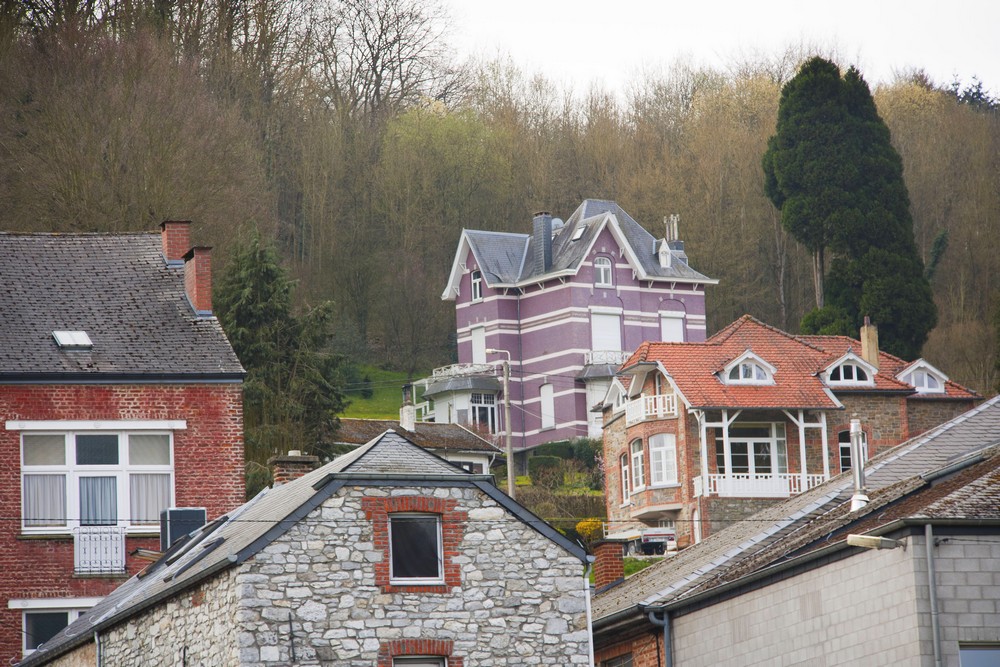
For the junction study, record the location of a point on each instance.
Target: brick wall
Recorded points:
(208, 472)
(646, 650)
(925, 414)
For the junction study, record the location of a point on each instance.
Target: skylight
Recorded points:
(578, 234)
(73, 340)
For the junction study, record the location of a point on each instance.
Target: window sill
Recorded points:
(670, 485)
(440, 588)
(68, 535)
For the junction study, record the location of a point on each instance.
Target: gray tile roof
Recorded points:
(118, 289)
(237, 536)
(429, 435)
(770, 535)
(506, 259)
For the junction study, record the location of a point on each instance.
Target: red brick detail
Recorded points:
(291, 466)
(608, 565)
(208, 472)
(646, 650)
(423, 647)
(175, 238)
(452, 530)
(198, 278)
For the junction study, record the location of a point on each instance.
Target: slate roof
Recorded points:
(429, 435)
(118, 289)
(506, 259)
(695, 369)
(813, 519)
(237, 536)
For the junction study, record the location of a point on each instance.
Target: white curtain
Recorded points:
(98, 501)
(45, 500)
(149, 493)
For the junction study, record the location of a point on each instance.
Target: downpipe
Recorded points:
(932, 594)
(663, 621)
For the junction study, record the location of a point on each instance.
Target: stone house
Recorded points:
(565, 305)
(386, 556)
(906, 576)
(698, 435)
(119, 396)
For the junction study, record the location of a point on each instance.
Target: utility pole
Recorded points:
(509, 448)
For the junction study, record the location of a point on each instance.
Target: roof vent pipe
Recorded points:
(860, 497)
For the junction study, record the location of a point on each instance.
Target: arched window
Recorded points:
(477, 286)
(924, 382)
(849, 373)
(638, 466)
(749, 372)
(602, 272)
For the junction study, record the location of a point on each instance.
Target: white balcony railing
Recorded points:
(747, 485)
(461, 369)
(613, 357)
(99, 549)
(658, 406)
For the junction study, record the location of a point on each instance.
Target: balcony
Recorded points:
(99, 550)
(750, 485)
(608, 357)
(658, 406)
(456, 370)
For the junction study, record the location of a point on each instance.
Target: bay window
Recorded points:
(95, 479)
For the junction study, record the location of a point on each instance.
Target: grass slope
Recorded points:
(387, 394)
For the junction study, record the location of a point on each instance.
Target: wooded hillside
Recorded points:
(344, 130)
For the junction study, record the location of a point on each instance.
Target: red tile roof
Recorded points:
(696, 368)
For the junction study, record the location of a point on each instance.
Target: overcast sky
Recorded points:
(576, 42)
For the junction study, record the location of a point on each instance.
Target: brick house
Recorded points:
(698, 435)
(119, 396)
(790, 587)
(387, 556)
(565, 304)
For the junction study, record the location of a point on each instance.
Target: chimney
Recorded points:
(860, 497)
(198, 279)
(541, 235)
(609, 567)
(869, 342)
(291, 466)
(408, 413)
(175, 238)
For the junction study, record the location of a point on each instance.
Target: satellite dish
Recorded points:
(557, 224)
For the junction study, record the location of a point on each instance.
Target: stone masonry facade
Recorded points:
(314, 596)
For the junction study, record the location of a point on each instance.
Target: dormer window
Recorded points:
(749, 369)
(602, 272)
(924, 378)
(850, 370)
(477, 286)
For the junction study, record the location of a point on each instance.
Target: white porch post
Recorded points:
(702, 418)
(826, 445)
(802, 448)
(727, 454)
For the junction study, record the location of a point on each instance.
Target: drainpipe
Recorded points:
(590, 623)
(664, 622)
(97, 649)
(932, 594)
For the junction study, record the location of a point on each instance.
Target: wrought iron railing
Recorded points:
(99, 549)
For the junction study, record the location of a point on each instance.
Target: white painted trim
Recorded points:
(53, 603)
(610, 310)
(97, 425)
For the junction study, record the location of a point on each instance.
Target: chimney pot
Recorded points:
(291, 466)
(175, 239)
(198, 279)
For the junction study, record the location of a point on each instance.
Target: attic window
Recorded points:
(578, 234)
(848, 373)
(924, 382)
(73, 340)
(748, 369)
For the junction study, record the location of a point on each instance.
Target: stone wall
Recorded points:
(196, 628)
(519, 598)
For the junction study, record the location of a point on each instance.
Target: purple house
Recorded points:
(568, 302)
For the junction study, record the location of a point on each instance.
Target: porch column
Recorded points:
(826, 445)
(702, 418)
(725, 444)
(802, 449)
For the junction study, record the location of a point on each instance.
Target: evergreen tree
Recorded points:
(292, 393)
(832, 171)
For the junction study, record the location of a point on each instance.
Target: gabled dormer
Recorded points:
(748, 369)
(850, 370)
(616, 396)
(923, 377)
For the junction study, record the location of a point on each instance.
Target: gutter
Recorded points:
(121, 378)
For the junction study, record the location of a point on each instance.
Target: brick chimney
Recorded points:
(198, 279)
(869, 342)
(609, 566)
(175, 238)
(291, 466)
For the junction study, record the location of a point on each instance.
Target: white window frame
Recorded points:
(603, 272)
(626, 478)
(850, 364)
(547, 405)
(777, 441)
(672, 319)
(477, 285)
(73, 473)
(485, 403)
(921, 370)
(844, 448)
(663, 459)
(417, 581)
(73, 607)
(750, 370)
(602, 328)
(638, 462)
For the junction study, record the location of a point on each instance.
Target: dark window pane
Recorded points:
(762, 458)
(97, 450)
(414, 547)
(740, 457)
(39, 627)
